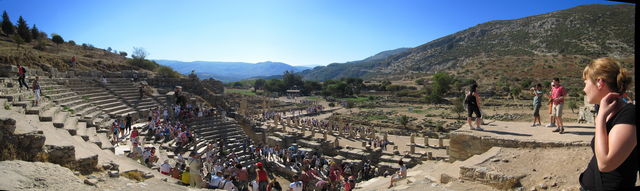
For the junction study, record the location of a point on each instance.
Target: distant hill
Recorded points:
(231, 71)
(538, 47)
(358, 69)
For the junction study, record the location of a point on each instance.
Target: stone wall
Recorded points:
(27, 147)
(193, 86)
(488, 177)
(463, 145)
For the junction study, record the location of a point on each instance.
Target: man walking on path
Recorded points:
(557, 96)
(21, 76)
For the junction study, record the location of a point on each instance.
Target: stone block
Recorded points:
(445, 178)
(114, 174)
(91, 182)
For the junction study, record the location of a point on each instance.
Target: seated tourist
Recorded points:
(165, 168)
(215, 181)
(402, 173)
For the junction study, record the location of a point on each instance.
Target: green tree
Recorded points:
(35, 33)
(18, 40)
(311, 86)
(7, 25)
(23, 30)
(56, 38)
(259, 84)
(122, 53)
(441, 83)
(292, 80)
(403, 120)
(355, 85)
(515, 92)
(458, 106)
(573, 105)
(237, 85)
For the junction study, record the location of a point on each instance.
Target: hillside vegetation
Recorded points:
(535, 48)
(37, 49)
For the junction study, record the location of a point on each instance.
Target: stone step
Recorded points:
(105, 142)
(91, 134)
(43, 106)
(90, 112)
(23, 104)
(116, 108)
(122, 112)
(107, 103)
(71, 101)
(70, 124)
(48, 114)
(82, 131)
(79, 107)
(58, 96)
(125, 93)
(60, 118)
(24, 95)
(99, 96)
(88, 90)
(86, 111)
(46, 91)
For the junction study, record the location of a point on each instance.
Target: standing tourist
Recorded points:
(36, 90)
(552, 119)
(537, 103)
(472, 101)
(557, 95)
(614, 164)
(262, 177)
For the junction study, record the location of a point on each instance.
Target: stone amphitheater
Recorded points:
(70, 125)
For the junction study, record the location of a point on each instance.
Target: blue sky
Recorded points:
(297, 32)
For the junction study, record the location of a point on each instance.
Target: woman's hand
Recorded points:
(608, 103)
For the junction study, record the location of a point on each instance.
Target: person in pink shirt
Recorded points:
(558, 92)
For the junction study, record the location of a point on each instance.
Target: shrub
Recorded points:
(332, 104)
(144, 64)
(40, 45)
(167, 72)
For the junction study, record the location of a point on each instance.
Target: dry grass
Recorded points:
(59, 56)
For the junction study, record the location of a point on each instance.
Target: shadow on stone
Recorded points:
(507, 133)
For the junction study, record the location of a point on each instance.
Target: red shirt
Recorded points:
(134, 134)
(262, 175)
(557, 92)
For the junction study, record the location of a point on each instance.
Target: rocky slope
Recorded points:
(579, 34)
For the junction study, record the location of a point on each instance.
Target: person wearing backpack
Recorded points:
(616, 156)
(22, 73)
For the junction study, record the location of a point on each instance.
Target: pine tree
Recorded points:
(23, 30)
(7, 26)
(35, 33)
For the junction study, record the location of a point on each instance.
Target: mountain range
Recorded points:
(230, 71)
(539, 46)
